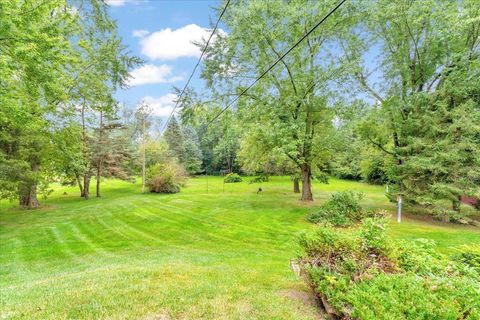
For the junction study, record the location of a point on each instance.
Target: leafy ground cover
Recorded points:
(212, 251)
(360, 273)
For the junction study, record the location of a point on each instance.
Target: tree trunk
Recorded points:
(99, 171)
(86, 186)
(100, 155)
(28, 197)
(307, 183)
(296, 185)
(456, 204)
(28, 192)
(86, 176)
(82, 194)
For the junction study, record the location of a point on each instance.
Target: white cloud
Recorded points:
(115, 3)
(119, 3)
(149, 73)
(161, 106)
(168, 44)
(140, 33)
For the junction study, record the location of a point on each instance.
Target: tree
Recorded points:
(112, 149)
(142, 114)
(259, 156)
(418, 54)
(35, 51)
(193, 155)
(219, 141)
(175, 139)
(291, 104)
(184, 144)
(56, 60)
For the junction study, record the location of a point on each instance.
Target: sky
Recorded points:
(160, 32)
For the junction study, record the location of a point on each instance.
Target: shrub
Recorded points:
(373, 170)
(232, 178)
(165, 178)
(342, 209)
(360, 273)
(259, 179)
(470, 256)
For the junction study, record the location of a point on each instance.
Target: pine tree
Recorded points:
(443, 130)
(175, 139)
(193, 154)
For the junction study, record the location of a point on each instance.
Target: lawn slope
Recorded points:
(213, 251)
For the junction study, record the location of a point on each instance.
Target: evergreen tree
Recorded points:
(443, 135)
(422, 91)
(175, 139)
(193, 154)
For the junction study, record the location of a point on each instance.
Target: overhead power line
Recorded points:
(277, 61)
(196, 66)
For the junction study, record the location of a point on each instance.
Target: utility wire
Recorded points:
(277, 61)
(195, 68)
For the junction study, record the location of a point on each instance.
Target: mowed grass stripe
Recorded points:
(192, 255)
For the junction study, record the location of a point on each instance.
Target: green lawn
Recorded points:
(194, 255)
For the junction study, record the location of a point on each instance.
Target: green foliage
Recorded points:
(353, 270)
(372, 169)
(426, 115)
(184, 145)
(259, 179)
(342, 209)
(232, 178)
(288, 113)
(193, 154)
(165, 177)
(56, 58)
(373, 234)
(469, 255)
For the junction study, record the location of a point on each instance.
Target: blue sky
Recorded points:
(160, 31)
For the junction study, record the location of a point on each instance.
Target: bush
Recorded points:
(259, 179)
(232, 178)
(470, 256)
(342, 209)
(165, 178)
(360, 273)
(373, 170)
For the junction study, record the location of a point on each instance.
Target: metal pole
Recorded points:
(399, 208)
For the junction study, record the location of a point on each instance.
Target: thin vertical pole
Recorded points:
(143, 160)
(399, 208)
(206, 175)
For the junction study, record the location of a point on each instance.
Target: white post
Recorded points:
(399, 208)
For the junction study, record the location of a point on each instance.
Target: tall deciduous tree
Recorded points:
(35, 51)
(291, 104)
(56, 59)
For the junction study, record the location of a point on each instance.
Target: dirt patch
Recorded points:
(308, 299)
